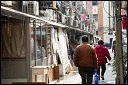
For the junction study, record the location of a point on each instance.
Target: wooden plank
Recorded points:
(56, 72)
(50, 74)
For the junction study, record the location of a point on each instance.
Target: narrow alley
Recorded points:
(74, 78)
(45, 41)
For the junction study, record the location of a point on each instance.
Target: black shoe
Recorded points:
(102, 77)
(109, 63)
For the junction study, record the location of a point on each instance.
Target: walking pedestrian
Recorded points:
(71, 53)
(102, 55)
(114, 48)
(85, 59)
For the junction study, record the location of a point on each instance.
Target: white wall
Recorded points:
(84, 4)
(106, 21)
(95, 10)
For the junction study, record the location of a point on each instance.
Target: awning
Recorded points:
(9, 10)
(75, 29)
(20, 15)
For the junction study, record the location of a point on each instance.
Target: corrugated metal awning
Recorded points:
(19, 14)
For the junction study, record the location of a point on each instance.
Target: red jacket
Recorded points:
(101, 52)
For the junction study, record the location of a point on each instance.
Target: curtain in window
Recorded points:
(13, 39)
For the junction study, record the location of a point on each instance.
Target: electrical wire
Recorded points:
(106, 11)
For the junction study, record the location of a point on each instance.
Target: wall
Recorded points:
(100, 19)
(89, 7)
(106, 20)
(14, 69)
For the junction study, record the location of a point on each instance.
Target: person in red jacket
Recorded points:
(102, 53)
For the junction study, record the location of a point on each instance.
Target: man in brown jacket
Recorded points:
(86, 60)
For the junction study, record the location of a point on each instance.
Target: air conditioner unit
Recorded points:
(69, 21)
(7, 3)
(75, 23)
(50, 14)
(31, 7)
(62, 18)
(42, 13)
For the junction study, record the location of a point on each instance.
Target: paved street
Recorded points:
(74, 77)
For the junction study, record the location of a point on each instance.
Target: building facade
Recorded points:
(44, 30)
(102, 13)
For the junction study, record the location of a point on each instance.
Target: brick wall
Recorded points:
(89, 7)
(100, 19)
(100, 16)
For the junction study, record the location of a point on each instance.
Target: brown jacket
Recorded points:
(85, 55)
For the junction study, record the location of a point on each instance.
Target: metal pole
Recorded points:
(109, 15)
(119, 51)
(41, 41)
(35, 46)
(113, 18)
(35, 43)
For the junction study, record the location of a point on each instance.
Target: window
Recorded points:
(94, 3)
(96, 32)
(48, 3)
(95, 16)
(74, 3)
(13, 38)
(40, 45)
(45, 4)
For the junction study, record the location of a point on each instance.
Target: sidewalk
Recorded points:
(74, 78)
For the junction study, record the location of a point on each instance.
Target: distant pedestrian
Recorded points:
(102, 55)
(71, 53)
(114, 48)
(85, 59)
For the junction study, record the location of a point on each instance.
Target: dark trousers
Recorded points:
(86, 74)
(125, 79)
(103, 69)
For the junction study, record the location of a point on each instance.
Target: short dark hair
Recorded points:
(84, 38)
(100, 42)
